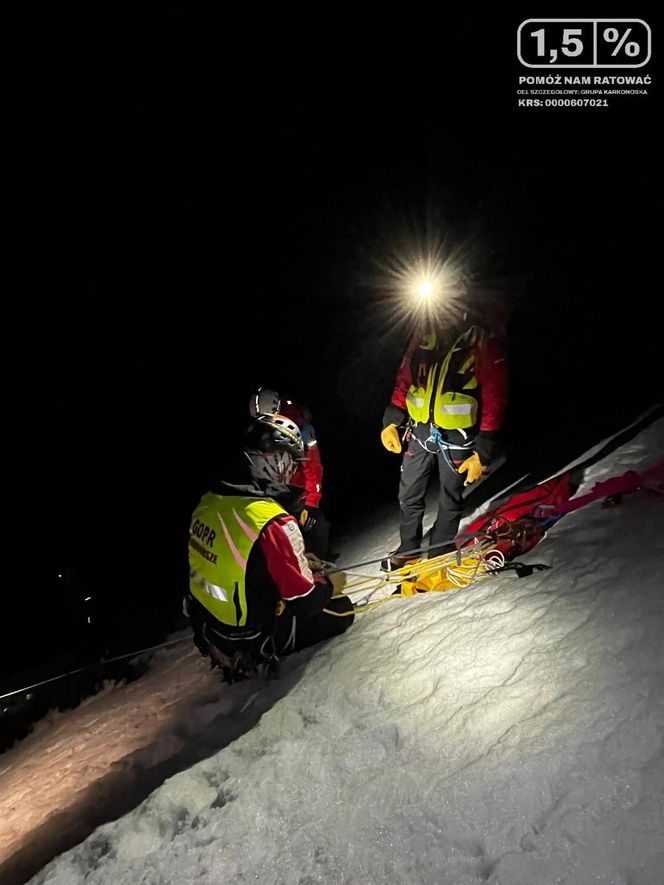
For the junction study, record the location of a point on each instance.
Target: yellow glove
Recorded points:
(473, 468)
(390, 439)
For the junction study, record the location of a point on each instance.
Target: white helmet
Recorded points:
(264, 402)
(272, 445)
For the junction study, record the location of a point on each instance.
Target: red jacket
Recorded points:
(282, 548)
(309, 474)
(490, 371)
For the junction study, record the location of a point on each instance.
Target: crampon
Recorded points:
(241, 666)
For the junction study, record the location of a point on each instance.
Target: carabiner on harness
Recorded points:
(436, 437)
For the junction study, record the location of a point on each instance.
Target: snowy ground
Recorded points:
(507, 733)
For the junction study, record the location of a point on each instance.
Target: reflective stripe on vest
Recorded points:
(451, 409)
(454, 409)
(222, 534)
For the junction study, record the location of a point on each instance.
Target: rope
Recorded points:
(132, 654)
(414, 553)
(461, 536)
(459, 569)
(369, 584)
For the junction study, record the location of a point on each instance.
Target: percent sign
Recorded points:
(612, 35)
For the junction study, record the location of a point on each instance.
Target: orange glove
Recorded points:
(473, 468)
(391, 439)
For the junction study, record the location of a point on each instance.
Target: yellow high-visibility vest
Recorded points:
(451, 409)
(223, 531)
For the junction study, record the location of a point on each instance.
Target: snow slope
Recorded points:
(507, 733)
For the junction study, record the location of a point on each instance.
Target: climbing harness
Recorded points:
(442, 447)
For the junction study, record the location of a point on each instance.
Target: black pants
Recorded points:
(290, 633)
(294, 634)
(416, 471)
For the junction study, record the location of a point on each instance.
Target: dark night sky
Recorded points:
(198, 202)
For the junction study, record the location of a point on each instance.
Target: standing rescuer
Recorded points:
(451, 393)
(252, 595)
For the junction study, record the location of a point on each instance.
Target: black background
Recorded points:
(197, 205)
